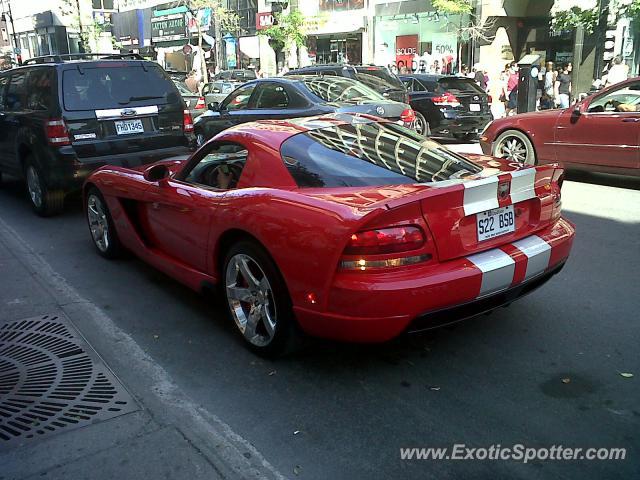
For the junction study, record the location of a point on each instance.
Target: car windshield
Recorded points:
(462, 85)
(340, 89)
(182, 88)
(114, 86)
(382, 73)
(368, 153)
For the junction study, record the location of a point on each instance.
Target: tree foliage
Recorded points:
(454, 7)
(288, 30)
(575, 17)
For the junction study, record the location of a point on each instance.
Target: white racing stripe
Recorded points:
(523, 185)
(497, 270)
(538, 253)
(480, 195)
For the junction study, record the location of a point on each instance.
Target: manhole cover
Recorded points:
(51, 380)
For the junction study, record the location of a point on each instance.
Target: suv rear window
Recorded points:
(111, 86)
(383, 74)
(369, 154)
(460, 84)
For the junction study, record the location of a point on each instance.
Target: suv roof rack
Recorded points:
(66, 57)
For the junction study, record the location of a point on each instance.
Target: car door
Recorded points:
(274, 100)
(234, 110)
(179, 210)
(602, 135)
(14, 111)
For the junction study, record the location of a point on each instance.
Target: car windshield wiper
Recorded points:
(134, 99)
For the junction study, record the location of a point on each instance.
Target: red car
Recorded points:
(600, 133)
(343, 226)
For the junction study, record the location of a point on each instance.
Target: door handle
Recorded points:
(632, 119)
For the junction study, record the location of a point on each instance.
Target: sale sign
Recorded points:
(406, 48)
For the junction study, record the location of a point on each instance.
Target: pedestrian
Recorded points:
(618, 72)
(479, 77)
(548, 87)
(512, 90)
(192, 81)
(563, 87)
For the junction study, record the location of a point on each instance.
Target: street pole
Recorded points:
(601, 35)
(13, 33)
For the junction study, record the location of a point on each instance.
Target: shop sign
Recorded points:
(230, 48)
(406, 48)
(168, 27)
(445, 45)
(264, 20)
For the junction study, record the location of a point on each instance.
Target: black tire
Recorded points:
(201, 138)
(515, 146)
(112, 248)
(44, 201)
(287, 335)
(422, 125)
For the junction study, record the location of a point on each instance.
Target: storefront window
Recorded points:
(246, 10)
(331, 5)
(338, 48)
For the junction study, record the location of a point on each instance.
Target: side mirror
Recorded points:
(155, 173)
(214, 106)
(581, 107)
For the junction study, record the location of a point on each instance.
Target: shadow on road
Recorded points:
(604, 179)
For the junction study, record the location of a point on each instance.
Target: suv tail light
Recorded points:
(408, 116)
(57, 133)
(446, 99)
(187, 122)
(200, 104)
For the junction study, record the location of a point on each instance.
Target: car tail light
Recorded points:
(556, 186)
(489, 99)
(446, 99)
(408, 116)
(385, 240)
(200, 104)
(187, 122)
(57, 133)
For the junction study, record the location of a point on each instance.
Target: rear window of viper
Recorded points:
(369, 154)
(460, 85)
(340, 89)
(107, 86)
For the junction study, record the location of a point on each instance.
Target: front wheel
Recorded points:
(515, 146)
(103, 232)
(257, 300)
(200, 139)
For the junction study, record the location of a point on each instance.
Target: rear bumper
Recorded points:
(461, 124)
(365, 307)
(73, 171)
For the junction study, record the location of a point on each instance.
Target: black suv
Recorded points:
(62, 117)
(378, 78)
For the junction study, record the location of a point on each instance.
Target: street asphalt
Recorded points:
(211, 409)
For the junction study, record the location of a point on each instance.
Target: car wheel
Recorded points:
(421, 125)
(200, 139)
(45, 202)
(258, 301)
(103, 232)
(515, 146)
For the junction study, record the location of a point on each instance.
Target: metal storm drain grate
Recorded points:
(51, 380)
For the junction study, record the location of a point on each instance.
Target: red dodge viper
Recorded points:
(342, 226)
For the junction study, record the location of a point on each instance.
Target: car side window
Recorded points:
(272, 95)
(408, 83)
(16, 93)
(240, 99)
(39, 89)
(627, 95)
(418, 87)
(3, 86)
(220, 166)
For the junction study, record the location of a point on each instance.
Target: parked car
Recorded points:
(297, 96)
(236, 75)
(299, 221)
(61, 118)
(375, 77)
(217, 91)
(195, 103)
(448, 106)
(595, 134)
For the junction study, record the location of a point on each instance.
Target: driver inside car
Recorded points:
(224, 177)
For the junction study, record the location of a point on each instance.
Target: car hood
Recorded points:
(543, 114)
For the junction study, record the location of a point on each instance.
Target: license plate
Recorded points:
(474, 107)
(495, 222)
(126, 127)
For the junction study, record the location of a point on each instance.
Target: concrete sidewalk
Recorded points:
(167, 436)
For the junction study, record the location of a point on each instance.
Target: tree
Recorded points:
(223, 20)
(286, 32)
(571, 14)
